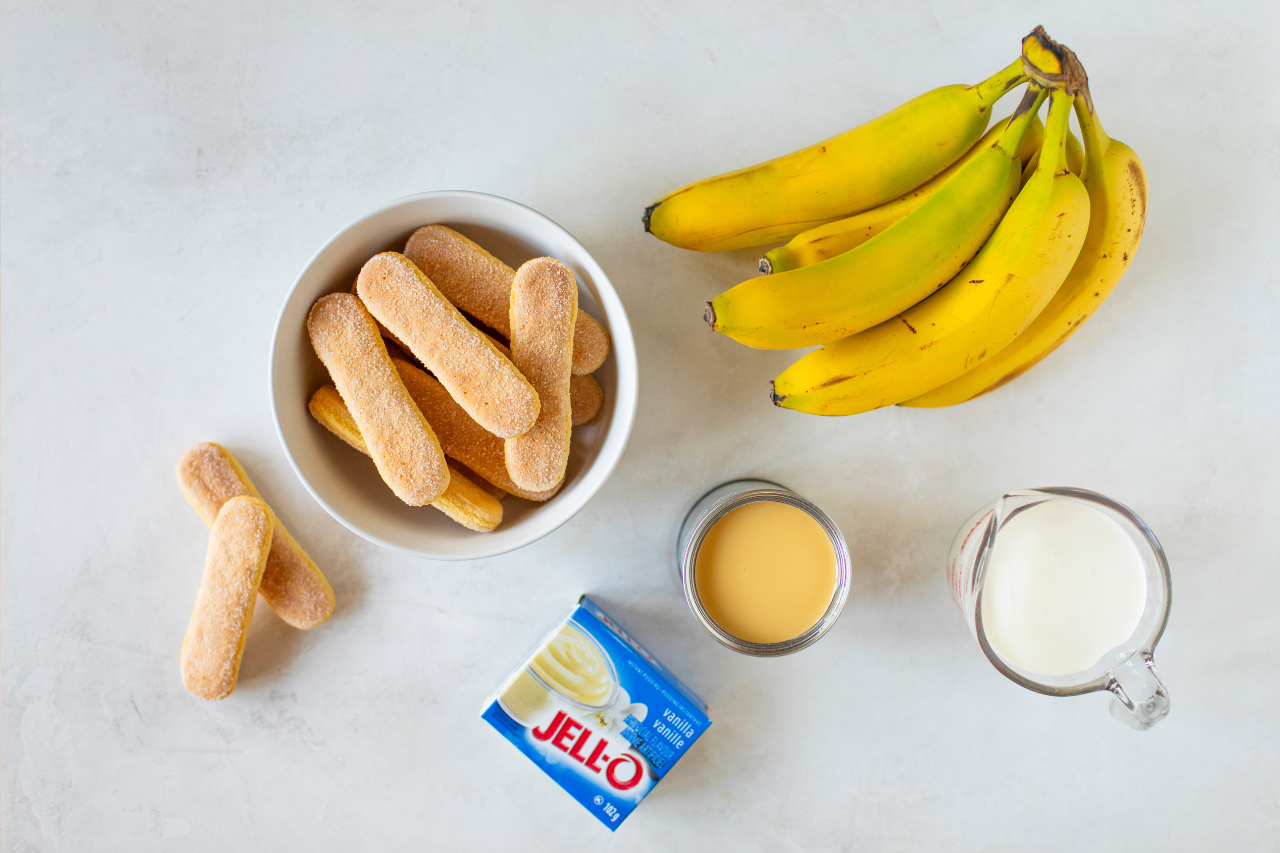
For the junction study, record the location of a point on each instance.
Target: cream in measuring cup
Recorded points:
(1064, 585)
(1067, 592)
(597, 713)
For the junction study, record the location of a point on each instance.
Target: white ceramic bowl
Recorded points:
(344, 481)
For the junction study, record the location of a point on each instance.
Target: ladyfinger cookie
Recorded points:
(585, 398)
(480, 284)
(400, 440)
(544, 301)
(495, 491)
(479, 377)
(585, 393)
(209, 476)
(590, 345)
(395, 348)
(233, 567)
(464, 501)
(462, 438)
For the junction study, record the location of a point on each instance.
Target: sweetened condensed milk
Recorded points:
(766, 572)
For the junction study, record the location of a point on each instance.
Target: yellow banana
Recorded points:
(891, 272)
(1117, 187)
(859, 169)
(1075, 159)
(979, 311)
(836, 238)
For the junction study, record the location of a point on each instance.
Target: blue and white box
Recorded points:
(598, 713)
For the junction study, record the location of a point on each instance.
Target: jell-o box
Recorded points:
(597, 713)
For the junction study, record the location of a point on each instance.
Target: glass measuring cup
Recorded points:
(1140, 699)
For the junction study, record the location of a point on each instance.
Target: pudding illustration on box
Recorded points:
(597, 713)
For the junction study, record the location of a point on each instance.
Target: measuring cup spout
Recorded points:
(1141, 699)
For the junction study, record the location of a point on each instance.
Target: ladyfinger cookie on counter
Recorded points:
(464, 359)
(297, 591)
(544, 302)
(400, 440)
(461, 437)
(233, 568)
(464, 501)
(480, 284)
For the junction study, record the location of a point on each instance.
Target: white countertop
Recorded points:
(169, 168)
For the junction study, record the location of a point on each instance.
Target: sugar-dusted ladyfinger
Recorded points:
(585, 398)
(585, 394)
(544, 300)
(233, 567)
(461, 437)
(209, 476)
(395, 348)
(464, 501)
(400, 440)
(497, 492)
(480, 378)
(480, 284)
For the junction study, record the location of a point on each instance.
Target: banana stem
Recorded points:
(1011, 138)
(994, 87)
(1053, 65)
(1055, 133)
(1090, 127)
(1096, 140)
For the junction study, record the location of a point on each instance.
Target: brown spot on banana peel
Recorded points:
(1027, 102)
(1140, 184)
(908, 325)
(1021, 369)
(999, 383)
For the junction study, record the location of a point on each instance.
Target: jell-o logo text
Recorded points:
(568, 735)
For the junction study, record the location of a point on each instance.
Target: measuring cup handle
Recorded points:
(1141, 699)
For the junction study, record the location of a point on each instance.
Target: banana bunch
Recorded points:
(930, 262)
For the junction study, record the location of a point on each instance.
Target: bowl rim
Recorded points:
(626, 386)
